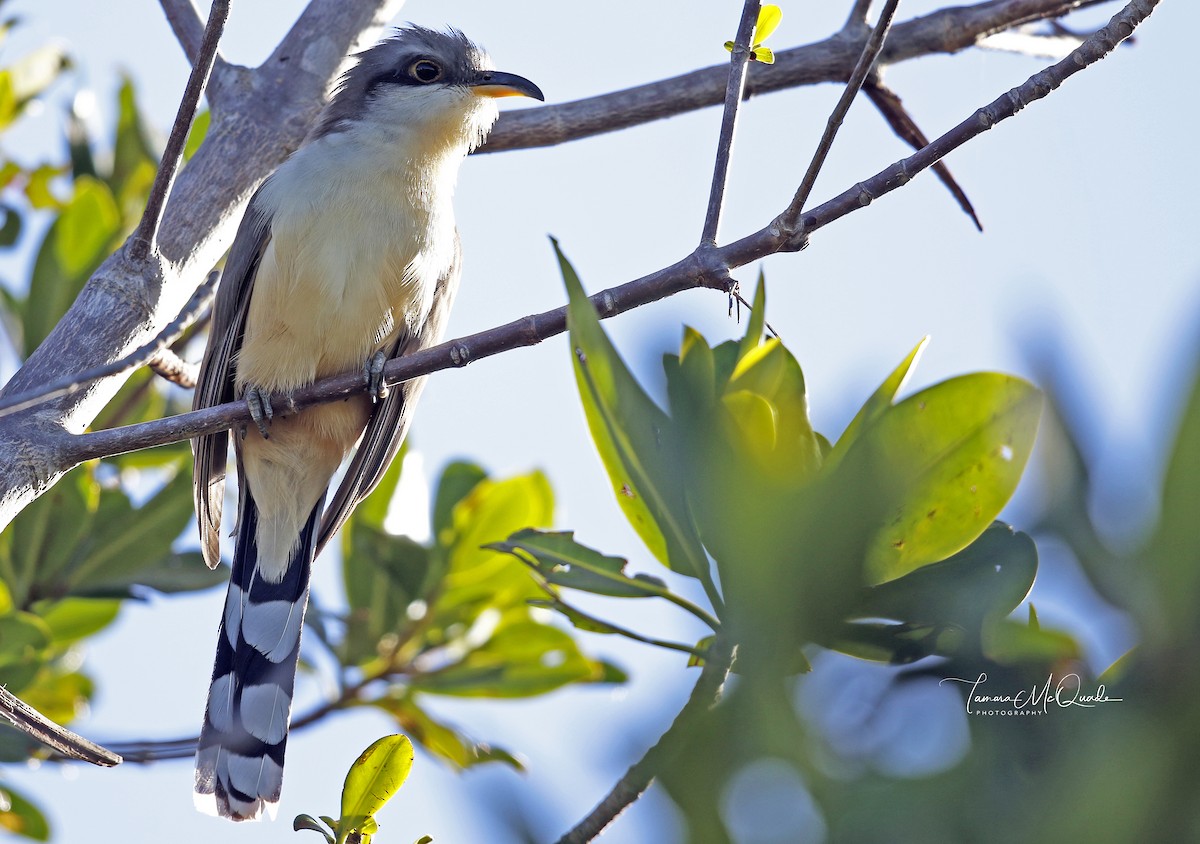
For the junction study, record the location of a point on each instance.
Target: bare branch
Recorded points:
(705, 695)
(28, 720)
(175, 369)
(144, 356)
(187, 25)
(1027, 41)
(858, 14)
(866, 61)
(832, 60)
(144, 242)
(734, 88)
(255, 124)
(889, 105)
(703, 268)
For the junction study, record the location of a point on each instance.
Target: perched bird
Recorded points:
(347, 256)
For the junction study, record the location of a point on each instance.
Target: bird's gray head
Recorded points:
(438, 84)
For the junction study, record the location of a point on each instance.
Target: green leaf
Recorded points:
(562, 561)
(632, 435)
(987, 579)
(954, 453)
(383, 575)
(73, 619)
(134, 161)
(62, 696)
(441, 739)
(878, 403)
(373, 779)
(21, 817)
(457, 481)
(197, 134)
(758, 319)
(373, 509)
(308, 822)
(521, 659)
(10, 230)
(24, 640)
(73, 248)
(127, 541)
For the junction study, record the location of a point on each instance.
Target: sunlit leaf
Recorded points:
(955, 451)
(630, 432)
(560, 560)
(20, 816)
(373, 780)
(441, 739)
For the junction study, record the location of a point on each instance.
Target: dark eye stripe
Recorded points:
(406, 76)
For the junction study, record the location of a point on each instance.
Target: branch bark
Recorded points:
(705, 267)
(258, 117)
(831, 60)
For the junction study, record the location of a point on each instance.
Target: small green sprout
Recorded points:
(769, 17)
(373, 778)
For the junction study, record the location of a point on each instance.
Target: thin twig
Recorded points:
(187, 25)
(28, 720)
(947, 30)
(142, 356)
(637, 779)
(858, 14)
(735, 87)
(686, 274)
(866, 61)
(166, 364)
(144, 241)
(889, 105)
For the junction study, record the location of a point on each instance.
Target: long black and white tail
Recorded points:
(239, 762)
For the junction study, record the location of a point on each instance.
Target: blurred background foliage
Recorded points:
(881, 545)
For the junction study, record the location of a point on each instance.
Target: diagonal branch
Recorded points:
(144, 242)
(831, 60)
(889, 105)
(28, 720)
(705, 695)
(143, 356)
(734, 89)
(866, 61)
(187, 25)
(707, 269)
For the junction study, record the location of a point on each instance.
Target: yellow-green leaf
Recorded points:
(373, 779)
(955, 453)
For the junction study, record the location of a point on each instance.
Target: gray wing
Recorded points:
(390, 420)
(215, 384)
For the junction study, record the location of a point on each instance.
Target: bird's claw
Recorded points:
(259, 403)
(262, 408)
(373, 376)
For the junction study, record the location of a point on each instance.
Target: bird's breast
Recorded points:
(354, 257)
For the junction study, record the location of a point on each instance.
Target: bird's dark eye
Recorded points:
(425, 70)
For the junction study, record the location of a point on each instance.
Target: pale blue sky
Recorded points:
(1087, 200)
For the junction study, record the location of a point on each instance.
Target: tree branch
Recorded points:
(187, 25)
(255, 124)
(866, 61)
(831, 60)
(144, 242)
(27, 719)
(637, 779)
(703, 268)
(735, 86)
(154, 354)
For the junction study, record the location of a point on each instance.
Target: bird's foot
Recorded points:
(262, 408)
(373, 376)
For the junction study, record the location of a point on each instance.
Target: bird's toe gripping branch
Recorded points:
(373, 376)
(262, 408)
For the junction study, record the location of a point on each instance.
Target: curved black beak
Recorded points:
(495, 83)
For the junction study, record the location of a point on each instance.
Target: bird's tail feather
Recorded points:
(239, 761)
